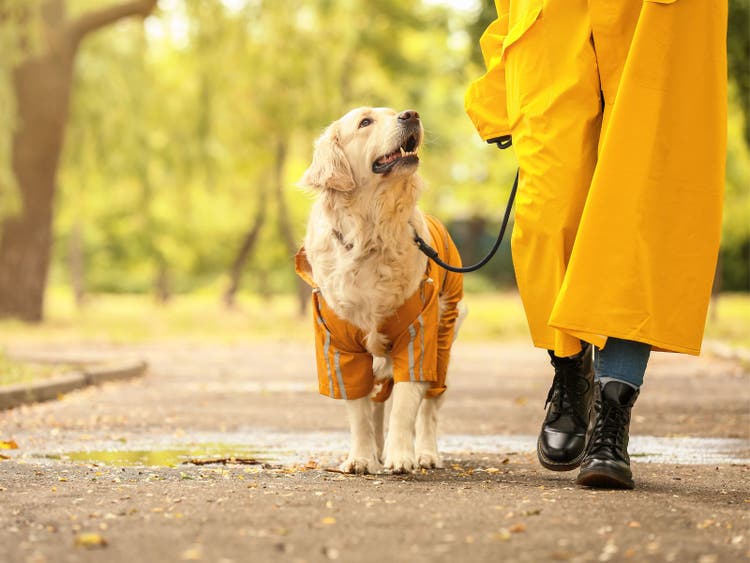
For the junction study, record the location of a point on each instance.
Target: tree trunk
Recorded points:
(42, 86)
(246, 250)
(77, 263)
(285, 221)
(42, 89)
(716, 289)
(162, 285)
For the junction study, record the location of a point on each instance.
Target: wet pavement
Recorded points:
(328, 448)
(124, 459)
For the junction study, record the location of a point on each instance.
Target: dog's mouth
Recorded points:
(405, 153)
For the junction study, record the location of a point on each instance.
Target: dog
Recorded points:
(384, 316)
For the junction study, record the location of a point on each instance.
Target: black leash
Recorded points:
(432, 254)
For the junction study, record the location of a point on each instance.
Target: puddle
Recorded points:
(198, 454)
(328, 448)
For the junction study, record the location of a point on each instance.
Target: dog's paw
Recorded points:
(429, 460)
(361, 465)
(400, 462)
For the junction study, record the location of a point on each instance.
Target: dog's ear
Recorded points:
(329, 169)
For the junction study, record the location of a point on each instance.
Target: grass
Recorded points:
(202, 318)
(12, 372)
(729, 320)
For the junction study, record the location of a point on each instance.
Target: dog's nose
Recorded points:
(408, 116)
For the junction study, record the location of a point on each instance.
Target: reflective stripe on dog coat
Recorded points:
(617, 111)
(420, 339)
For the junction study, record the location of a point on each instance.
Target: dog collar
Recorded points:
(339, 237)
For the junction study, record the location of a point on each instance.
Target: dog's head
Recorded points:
(364, 147)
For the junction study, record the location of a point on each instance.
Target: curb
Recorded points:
(21, 394)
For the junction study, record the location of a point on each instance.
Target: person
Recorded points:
(617, 113)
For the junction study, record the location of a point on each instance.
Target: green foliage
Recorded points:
(183, 128)
(735, 260)
(738, 55)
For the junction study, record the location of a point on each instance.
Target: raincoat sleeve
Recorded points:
(485, 100)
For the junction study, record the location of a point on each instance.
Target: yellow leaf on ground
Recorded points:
(90, 541)
(328, 520)
(8, 445)
(194, 553)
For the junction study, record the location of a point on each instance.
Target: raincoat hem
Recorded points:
(658, 344)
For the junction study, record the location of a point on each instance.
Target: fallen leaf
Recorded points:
(4, 457)
(312, 464)
(193, 553)
(90, 541)
(634, 524)
(8, 445)
(491, 470)
(502, 535)
(328, 520)
(517, 528)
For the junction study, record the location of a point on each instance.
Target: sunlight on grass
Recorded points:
(203, 318)
(12, 372)
(729, 320)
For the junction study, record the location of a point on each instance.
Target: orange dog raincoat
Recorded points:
(420, 338)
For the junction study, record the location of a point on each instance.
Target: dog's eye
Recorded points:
(365, 122)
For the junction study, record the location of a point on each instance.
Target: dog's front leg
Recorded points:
(399, 446)
(363, 455)
(426, 443)
(382, 367)
(378, 414)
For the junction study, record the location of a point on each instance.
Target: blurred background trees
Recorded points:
(185, 133)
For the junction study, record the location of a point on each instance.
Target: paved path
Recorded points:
(491, 502)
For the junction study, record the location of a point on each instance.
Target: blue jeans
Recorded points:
(623, 360)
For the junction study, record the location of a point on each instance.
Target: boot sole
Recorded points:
(557, 466)
(604, 479)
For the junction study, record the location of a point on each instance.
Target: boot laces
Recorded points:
(611, 424)
(568, 386)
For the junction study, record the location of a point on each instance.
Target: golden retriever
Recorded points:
(366, 271)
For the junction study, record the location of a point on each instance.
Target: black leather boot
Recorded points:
(562, 440)
(607, 463)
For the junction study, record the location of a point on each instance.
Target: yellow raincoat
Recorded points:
(618, 116)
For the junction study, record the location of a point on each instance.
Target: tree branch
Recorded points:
(97, 19)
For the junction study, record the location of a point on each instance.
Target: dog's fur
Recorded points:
(360, 245)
